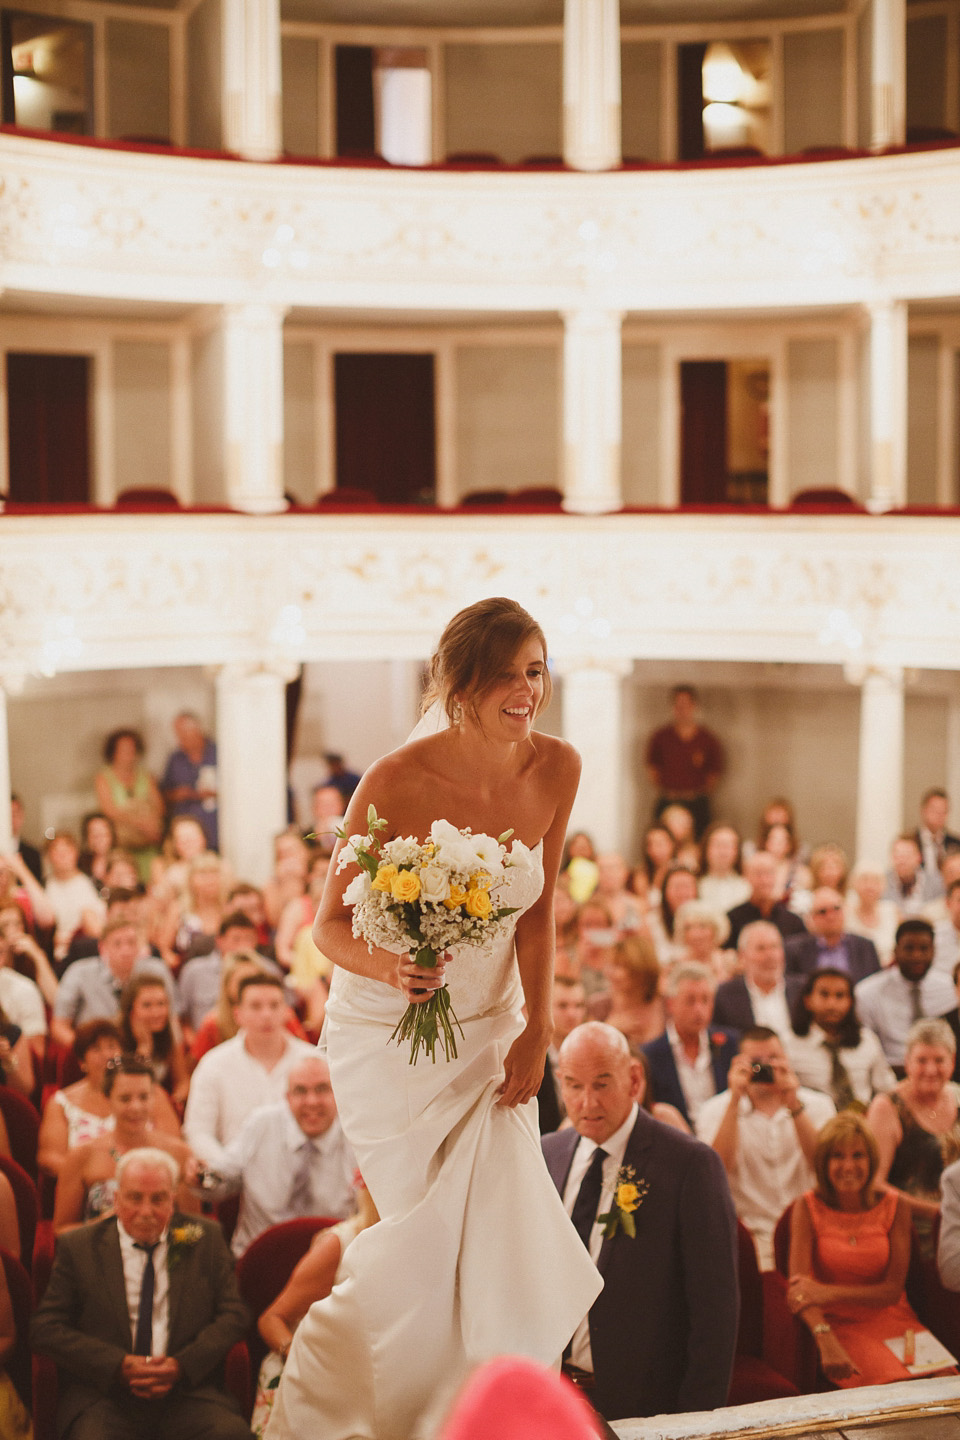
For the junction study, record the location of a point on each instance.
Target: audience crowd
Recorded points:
(746, 1030)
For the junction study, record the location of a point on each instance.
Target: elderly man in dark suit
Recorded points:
(653, 1207)
(688, 1063)
(827, 945)
(763, 994)
(139, 1314)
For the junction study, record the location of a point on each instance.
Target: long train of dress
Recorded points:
(474, 1255)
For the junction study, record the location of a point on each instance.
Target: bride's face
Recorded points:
(507, 710)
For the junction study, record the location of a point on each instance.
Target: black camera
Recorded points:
(761, 1074)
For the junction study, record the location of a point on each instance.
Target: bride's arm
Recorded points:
(535, 940)
(333, 928)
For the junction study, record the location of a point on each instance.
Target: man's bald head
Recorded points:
(600, 1079)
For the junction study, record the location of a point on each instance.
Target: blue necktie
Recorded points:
(143, 1341)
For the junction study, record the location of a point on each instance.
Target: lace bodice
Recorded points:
(481, 979)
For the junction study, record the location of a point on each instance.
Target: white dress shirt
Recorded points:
(770, 1008)
(22, 1002)
(580, 1352)
(866, 1064)
(134, 1264)
(227, 1084)
(265, 1157)
(885, 1003)
(696, 1077)
(946, 947)
(770, 1170)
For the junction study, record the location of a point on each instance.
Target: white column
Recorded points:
(592, 411)
(591, 84)
(888, 404)
(6, 835)
(251, 765)
(952, 765)
(888, 79)
(880, 778)
(593, 723)
(253, 407)
(251, 78)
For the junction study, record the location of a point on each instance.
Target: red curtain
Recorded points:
(385, 426)
(49, 428)
(703, 432)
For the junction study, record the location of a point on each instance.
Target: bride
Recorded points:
(474, 1255)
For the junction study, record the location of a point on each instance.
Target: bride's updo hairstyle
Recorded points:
(477, 646)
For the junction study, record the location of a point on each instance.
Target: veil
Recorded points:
(431, 722)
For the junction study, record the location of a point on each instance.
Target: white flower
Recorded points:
(402, 851)
(489, 853)
(358, 889)
(456, 851)
(434, 884)
(521, 856)
(348, 852)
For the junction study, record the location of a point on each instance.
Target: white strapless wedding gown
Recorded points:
(474, 1255)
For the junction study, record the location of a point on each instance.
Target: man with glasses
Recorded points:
(828, 945)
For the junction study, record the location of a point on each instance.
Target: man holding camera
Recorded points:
(764, 1128)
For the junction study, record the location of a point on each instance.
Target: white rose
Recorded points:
(404, 850)
(457, 851)
(358, 889)
(434, 884)
(489, 853)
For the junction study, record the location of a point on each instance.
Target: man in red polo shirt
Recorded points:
(685, 760)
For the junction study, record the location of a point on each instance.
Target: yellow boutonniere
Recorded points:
(628, 1195)
(182, 1238)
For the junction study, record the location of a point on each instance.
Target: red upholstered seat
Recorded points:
(18, 1365)
(27, 1202)
(147, 499)
(773, 1359)
(266, 1266)
(23, 1127)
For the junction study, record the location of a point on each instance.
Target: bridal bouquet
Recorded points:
(426, 896)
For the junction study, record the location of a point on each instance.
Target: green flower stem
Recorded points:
(429, 1022)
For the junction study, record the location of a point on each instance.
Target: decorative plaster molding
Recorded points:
(96, 222)
(107, 592)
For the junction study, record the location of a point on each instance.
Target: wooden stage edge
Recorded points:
(831, 1414)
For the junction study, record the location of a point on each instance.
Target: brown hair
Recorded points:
(88, 1035)
(637, 954)
(845, 1126)
(476, 646)
(163, 1040)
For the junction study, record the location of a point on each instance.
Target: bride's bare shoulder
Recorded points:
(557, 755)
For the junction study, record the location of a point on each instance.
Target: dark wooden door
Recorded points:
(356, 127)
(690, 101)
(703, 432)
(48, 408)
(385, 426)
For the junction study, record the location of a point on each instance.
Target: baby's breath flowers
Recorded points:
(426, 897)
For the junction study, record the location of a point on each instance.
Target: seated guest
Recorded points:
(760, 872)
(242, 1073)
(678, 888)
(71, 896)
(849, 1252)
(829, 867)
(917, 1125)
(828, 945)
(699, 934)
(674, 1351)
(936, 910)
(829, 1050)
(946, 933)
(186, 841)
(890, 1001)
(82, 1112)
(86, 1183)
(721, 884)
(764, 1128)
(15, 1422)
(156, 1374)
(27, 982)
(98, 840)
(289, 1159)
(867, 913)
(679, 821)
(565, 912)
(793, 877)
(91, 989)
(569, 1011)
(763, 994)
(220, 1023)
(612, 876)
(312, 1279)
(202, 910)
(596, 934)
(688, 1063)
(579, 866)
(933, 837)
(146, 1030)
(291, 858)
(659, 851)
(906, 878)
(948, 1253)
(632, 1003)
(198, 984)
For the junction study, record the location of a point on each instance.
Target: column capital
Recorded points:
(877, 677)
(593, 319)
(240, 672)
(254, 314)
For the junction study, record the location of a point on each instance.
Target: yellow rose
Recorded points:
(480, 881)
(384, 878)
(405, 887)
(456, 897)
(479, 904)
(628, 1197)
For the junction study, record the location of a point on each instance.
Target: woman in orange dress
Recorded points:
(849, 1252)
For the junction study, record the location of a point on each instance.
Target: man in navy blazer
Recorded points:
(661, 1336)
(827, 945)
(763, 994)
(688, 1063)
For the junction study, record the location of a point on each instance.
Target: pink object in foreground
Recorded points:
(514, 1399)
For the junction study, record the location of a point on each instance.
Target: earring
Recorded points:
(457, 712)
